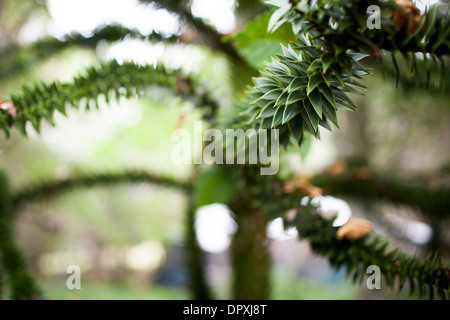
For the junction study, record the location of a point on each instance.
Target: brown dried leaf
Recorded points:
(354, 229)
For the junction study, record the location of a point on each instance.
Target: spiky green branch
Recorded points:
(425, 276)
(111, 80)
(343, 24)
(306, 86)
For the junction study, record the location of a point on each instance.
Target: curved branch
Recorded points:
(52, 188)
(110, 80)
(208, 35)
(365, 184)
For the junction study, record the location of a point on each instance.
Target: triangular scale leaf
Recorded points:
(327, 60)
(278, 117)
(272, 95)
(267, 111)
(290, 112)
(296, 128)
(282, 99)
(330, 112)
(316, 101)
(312, 114)
(324, 123)
(295, 96)
(308, 125)
(314, 80)
(297, 83)
(327, 93)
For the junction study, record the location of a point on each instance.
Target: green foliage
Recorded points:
(427, 277)
(256, 45)
(302, 88)
(299, 91)
(111, 80)
(342, 25)
(12, 263)
(214, 185)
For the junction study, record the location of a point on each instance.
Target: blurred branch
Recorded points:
(209, 35)
(425, 276)
(12, 262)
(48, 189)
(52, 188)
(364, 183)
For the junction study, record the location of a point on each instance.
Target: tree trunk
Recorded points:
(250, 257)
(195, 258)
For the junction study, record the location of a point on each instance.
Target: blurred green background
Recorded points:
(105, 230)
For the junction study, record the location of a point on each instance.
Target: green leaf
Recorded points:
(272, 95)
(290, 112)
(289, 53)
(342, 98)
(324, 123)
(278, 117)
(314, 66)
(330, 112)
(314, 80)
(264, 81)
(277, 68)
(316, 101)
(295, 96)
(308, 125)
(297, 83)
(327, 93)
(214, 185)
(275, 20)
(296, 128)
(312, 114)
(281, 101)
(327, 60)
(267, 111)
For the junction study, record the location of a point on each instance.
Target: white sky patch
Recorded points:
(76, 136)
(276, 230)
(329, 207)
(85, 15)
(217, 12)
(142, 52)
(214, 226)
(423, 4)
(417, 232)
